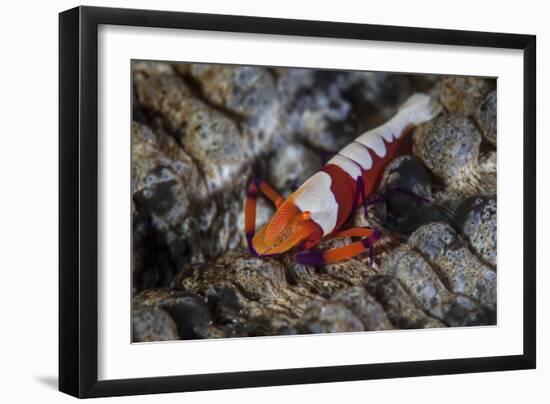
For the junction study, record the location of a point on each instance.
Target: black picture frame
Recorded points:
(78, 201)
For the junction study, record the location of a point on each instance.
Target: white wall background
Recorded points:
(28, 201)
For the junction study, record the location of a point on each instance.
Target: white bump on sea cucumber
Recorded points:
(316, 197)
(358, 153)
(349, 166)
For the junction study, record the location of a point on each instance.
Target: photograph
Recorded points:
(272, 201)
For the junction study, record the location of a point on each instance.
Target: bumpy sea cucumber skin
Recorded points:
(462, 95)
(457, 266)
(449, 147)
(398, 304)
(476, 217)
(428, 291)
(486, 117)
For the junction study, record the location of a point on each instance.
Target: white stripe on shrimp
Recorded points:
(349, 166)
(417, 109)
(316, 197)
(358, 153)
(373, 140)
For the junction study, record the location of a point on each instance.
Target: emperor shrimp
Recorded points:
(320, 207)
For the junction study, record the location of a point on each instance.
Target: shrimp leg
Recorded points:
(368, 237)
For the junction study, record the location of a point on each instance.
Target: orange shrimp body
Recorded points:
(323, 203)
